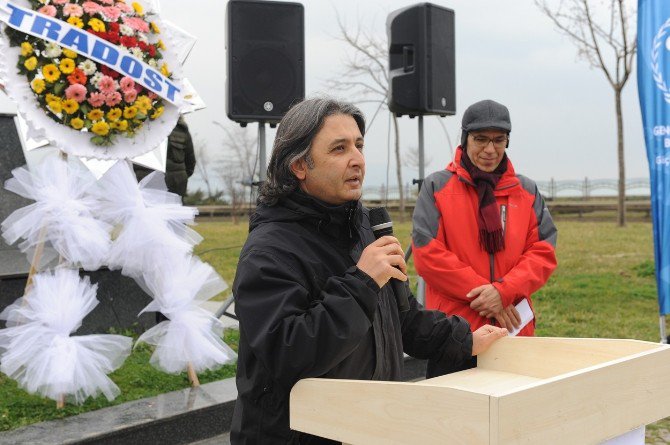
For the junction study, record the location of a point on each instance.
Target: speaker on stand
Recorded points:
(265, 42)
(422, 72)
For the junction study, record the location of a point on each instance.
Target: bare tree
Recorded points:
(605, 38)
(203, 163)
(365, 75)
(411, 158)
(237, 169)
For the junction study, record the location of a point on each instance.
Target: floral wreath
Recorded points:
(94, 111)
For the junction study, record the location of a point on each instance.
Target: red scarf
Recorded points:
(491, 236)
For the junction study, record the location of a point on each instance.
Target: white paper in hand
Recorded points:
(526, 314)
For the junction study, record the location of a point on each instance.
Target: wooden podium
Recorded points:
(525, 390)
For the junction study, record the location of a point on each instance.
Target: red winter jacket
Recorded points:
(445, 242)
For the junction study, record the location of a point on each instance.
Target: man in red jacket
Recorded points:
(483, 239)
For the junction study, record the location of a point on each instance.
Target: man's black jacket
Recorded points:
(305, 310)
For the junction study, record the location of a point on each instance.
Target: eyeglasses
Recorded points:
(483, 141)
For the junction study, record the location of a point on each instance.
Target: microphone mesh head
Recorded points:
(379, 215)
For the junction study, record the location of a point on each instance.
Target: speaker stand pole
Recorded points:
(421, 285)
(261, 152)
(262, 175)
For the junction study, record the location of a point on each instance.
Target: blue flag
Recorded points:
(653, 81)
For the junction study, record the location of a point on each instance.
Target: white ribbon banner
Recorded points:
(91, 46)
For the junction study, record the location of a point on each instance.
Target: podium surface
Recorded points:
(524, 390)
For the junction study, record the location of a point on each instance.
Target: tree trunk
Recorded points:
(398, 171)
(622, 168)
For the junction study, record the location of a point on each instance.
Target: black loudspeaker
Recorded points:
(266, 59)
(422, 71)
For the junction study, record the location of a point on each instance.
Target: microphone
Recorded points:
(381, 226)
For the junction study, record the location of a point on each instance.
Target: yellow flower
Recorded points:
(155, 28)
(97, 25)
(38, 85)
(130, 112)
(138, 8)
(30, 63)
(100, 128)
(77, 123)
(67, 66)
(158, 112)
(70, 106)
(143, 103)
(164, 69)
(50, 98)
(161, 45)
(50, 72)
(122, 125)
(26, 49)
(95, 114)
(69, 53)
(114, 114)
(55, 106)
(76, 21)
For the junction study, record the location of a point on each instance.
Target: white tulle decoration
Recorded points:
(191, 334)
(36, 348)
(152, 220)
(62, 215)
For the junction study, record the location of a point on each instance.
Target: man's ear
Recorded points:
(299, 169)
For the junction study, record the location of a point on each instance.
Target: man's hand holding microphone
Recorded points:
(384, 260)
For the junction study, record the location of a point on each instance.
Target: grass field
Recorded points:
(604, 286)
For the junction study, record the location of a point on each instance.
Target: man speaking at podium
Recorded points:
(311, 287)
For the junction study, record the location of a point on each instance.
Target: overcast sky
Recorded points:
(562, 111)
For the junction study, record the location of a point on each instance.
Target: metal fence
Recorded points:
(583, 188)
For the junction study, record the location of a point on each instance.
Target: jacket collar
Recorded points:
(341, 222)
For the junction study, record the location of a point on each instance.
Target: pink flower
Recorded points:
(113, 98)
(49, 10)
(124, 8)
(130, 95)
(72, 10)
(127, 83)
(136, 23)
(59, 2)
(152, 95)
(76, 92)
(96, 99)
(111, 12)
(107, 2)
(91, 7)
(107, 85)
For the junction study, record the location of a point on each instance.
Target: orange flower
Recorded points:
(77, 76)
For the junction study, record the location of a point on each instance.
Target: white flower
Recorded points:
(88, 67)
(96, 78)
(52, 50)
(126, 30)
(142, 37)
(135, 51)
(152, 63)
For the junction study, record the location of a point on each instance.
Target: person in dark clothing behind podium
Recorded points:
(311, 288)
(180, 163)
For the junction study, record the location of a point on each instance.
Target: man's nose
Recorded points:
(357, 157)
(490, 146)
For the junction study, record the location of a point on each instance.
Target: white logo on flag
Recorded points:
(660, 41)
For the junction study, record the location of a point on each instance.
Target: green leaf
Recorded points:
(59, 87)
(98, 140)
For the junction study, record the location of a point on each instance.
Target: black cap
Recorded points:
(486, 114)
